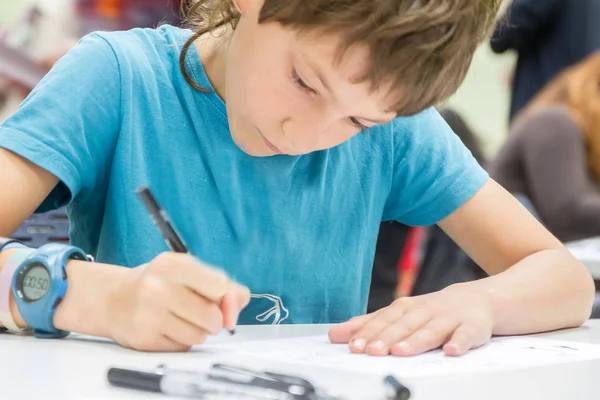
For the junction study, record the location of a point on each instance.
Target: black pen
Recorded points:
(162, 221)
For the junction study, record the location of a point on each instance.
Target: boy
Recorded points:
(264, 173)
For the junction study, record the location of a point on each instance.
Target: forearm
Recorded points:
(85, 306)
(546, 291)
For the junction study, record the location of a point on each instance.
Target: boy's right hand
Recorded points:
(173, 303)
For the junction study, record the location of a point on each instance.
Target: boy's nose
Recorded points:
(304, 132)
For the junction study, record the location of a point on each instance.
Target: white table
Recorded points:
(75, 368)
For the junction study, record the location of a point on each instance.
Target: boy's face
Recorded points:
(285, 94)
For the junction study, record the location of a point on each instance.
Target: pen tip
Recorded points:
(232, 332)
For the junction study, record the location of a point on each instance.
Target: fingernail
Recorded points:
(359, 344)
(377, 345)
(403, 347)
(451, 349)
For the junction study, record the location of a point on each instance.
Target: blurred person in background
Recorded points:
(391, 242)
(548, 36)
(552, 156)
(93, 15)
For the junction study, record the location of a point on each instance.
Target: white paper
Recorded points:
(498, 354)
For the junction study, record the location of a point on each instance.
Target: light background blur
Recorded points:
(483, 99)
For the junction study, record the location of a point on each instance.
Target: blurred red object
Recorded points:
(126, 14)
(408, 264)
(109, 8)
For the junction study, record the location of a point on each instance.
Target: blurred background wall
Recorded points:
(483, 99)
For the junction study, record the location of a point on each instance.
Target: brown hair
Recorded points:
(578, 88)
(424, 47)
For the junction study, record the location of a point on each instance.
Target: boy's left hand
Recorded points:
(458, 318)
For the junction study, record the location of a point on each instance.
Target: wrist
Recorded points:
(118, 303)
(498, 302)
(86, 307)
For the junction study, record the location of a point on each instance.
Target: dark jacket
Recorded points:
(548, 35)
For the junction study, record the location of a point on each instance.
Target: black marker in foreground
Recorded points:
(163, 223)
(219, 382)
(396, 390)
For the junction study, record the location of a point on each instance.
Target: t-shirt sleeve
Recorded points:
(69, 123)
(434, 173)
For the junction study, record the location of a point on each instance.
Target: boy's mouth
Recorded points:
(268, 143)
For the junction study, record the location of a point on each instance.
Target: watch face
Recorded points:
(35, 282)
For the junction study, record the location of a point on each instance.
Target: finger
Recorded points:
(399, 330)
(430, 336)
(465, 338)
(236, 299)
(384, 318)
(243, 295)
(188, 271)
(182, 331)
(342, 333)
(195, 309)
(230, 309)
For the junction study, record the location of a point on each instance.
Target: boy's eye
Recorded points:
(357, 124)
(301, 84)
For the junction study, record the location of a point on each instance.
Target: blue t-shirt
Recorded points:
(300, 231)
